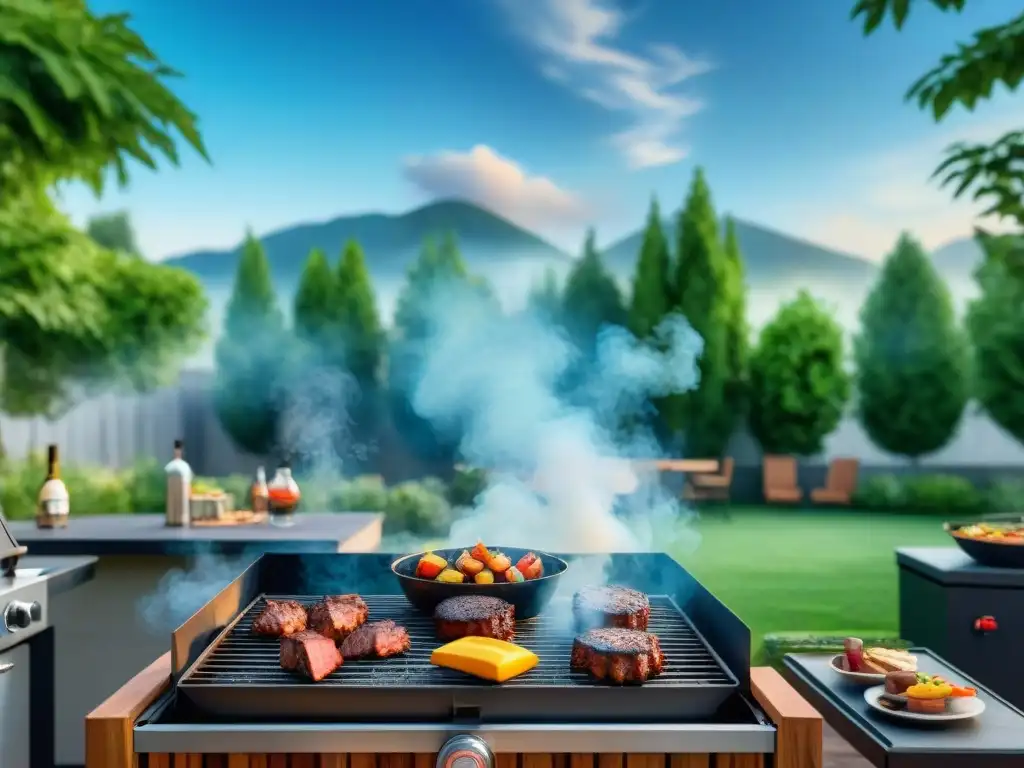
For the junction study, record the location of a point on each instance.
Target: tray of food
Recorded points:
(997, 542)
(921, 697)
(869, 666)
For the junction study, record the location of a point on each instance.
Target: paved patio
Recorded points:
(838, 753)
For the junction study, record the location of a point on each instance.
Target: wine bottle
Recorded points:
(179, 486)
(53, 505)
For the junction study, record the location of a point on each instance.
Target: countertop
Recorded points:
(148, 535)
(61, 573)
(954, 567)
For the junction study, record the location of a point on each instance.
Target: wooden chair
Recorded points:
(715, 486)
(780, 480)
(840, 483)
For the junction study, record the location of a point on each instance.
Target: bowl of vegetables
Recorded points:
(997, 542)
(526, 578)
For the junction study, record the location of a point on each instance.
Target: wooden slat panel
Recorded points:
(277, 761)
(610, 760)
(188, 761)
(581, 760)
(689, 761)
(424, 760)
(739, 761)
(259, 761)
(395, 760)
(798, 743)
(506, 760)
(239, 761)
(215, 761)
(304, 760)
(362, 760)
(528, 760)
(334, 761)
(645, 760)
(157, 760)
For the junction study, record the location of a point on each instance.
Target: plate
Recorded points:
(839, 666)
(969, 708)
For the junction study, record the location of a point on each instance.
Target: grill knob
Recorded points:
(20, 615)
(465, 751)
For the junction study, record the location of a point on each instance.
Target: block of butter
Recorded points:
(485, 657)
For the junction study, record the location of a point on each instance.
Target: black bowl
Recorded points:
(529, 597)
(991, 553)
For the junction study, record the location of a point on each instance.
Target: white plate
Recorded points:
(968, 708)
(839, 666)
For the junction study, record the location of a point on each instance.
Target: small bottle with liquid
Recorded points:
(283, 494)
(179, 488)
(54, 505)
(260, 493)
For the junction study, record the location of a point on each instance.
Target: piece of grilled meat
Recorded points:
(475, 615)
(610, 606)
(338, 616)
(618, 655)
(311, 654)
(280, 618)
(379, 639)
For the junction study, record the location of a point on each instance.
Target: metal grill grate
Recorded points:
(245, 659)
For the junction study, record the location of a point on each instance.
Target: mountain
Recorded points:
(389, 242)
(958, 258)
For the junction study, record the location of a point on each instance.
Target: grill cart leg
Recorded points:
(799, 740)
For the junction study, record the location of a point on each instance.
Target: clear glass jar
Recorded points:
(283, 496)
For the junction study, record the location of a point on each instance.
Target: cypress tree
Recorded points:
(545, 299)
(912, 358)
(701, 289)
(314, 299)
(737, 332)
(357, 320)
(652, 281)
(591, 298)
(250, 355)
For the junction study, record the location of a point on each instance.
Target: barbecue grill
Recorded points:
(228, 695)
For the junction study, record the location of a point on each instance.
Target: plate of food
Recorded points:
(869, 666)
(998, 542)
(525, 578)
(924, 698)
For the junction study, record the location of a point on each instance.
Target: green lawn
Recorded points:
(807, 570)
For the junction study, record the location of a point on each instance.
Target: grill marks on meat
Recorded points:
(611, 606)
(310, 654)
(280, 618)
(618, 655)
(336, 617)
(475, 615)
(379, 639)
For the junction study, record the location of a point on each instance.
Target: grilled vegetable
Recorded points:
(430, 565)
(498, 562)
(486, 576)
(513, 576)
(451, 576)
(468, 564)
(530, 566)
(480, 552)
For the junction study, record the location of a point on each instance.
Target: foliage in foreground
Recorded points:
(798, 386)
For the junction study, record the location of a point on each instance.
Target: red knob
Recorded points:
(985, 624)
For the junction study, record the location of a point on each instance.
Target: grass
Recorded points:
(807, 570)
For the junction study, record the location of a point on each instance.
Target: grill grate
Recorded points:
(246, 659)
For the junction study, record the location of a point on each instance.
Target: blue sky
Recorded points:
(555, 113)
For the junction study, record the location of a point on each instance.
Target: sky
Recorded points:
(557, 114)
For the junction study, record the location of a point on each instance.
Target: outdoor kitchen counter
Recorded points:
(792, 727)
(130, 535)
(139, 560)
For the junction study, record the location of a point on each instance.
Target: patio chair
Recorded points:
(711, 486)
(840, 483)
(780, 480)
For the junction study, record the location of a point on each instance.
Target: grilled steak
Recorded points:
(475, 615)
(618, 655)
(338, 616)
(280, 618)
(311, 654)
(378, 638)
(609, 606)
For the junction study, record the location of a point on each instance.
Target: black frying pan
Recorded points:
(529, 597)
(991, 553)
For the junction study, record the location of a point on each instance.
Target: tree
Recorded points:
(314, 301)
(591, 299)
(912, 359)
(652, 281)
(701, 286)
(251, 355)
(114, 231)
(545, 298)
(995, 321)
(737, 332)
(995, 56)
(360, 334)
(798, 386)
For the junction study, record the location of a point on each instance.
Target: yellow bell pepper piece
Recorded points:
(485, 657)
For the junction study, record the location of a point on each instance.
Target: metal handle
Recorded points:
(465, 751)
(6, 668)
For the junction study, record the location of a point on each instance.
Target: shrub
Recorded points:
(361, 494)
(949, 495)
(466, 485)
(1006, 495)
(881, 492)
(415, 509)
(93, 490)
(778, 644)
(147, 487)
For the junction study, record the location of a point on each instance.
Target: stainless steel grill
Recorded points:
(239, 675)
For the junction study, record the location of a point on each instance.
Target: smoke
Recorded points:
(569, 489)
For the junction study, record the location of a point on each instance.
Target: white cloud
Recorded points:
(578, 38)
(892, 191)
(497, 183)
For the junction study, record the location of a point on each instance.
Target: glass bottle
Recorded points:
(54, 503)
(283, 495)
(260, 493)
(179, 488)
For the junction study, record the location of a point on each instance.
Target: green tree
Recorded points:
(995, 321)
(358, 323)
(314, 300)
(591, 298)
(912, 358)
(652, 281)
(250, 356)
(995, 56)
(701, 286)
(798, 386)
(545, 298)
(114, 231)
(737, 332)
